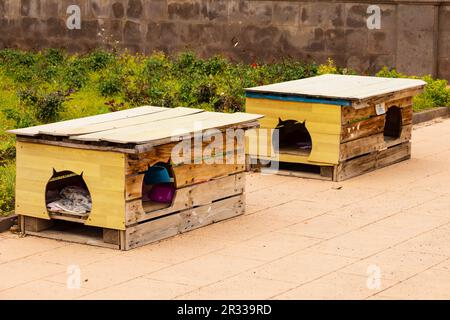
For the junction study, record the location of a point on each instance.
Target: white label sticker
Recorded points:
(380, 108)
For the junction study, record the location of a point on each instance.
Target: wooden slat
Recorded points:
(37, 225)
(361, 146)
(185, 175)
(372, 161)
(189, 197)
(139, 163)
(75, 145)
(170, 128)
(184, 221)
(73, 237)
(111, 236)
(388, 98)
(53, 128)
(352, 114)
(147, 119)
(241, 126)
(361, 129)
(407, 115)
(394, 154)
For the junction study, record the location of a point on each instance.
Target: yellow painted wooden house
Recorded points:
(112, 180)
(341, 125)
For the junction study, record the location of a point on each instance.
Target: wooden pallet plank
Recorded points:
(350, 114)
(363, 128)
(74, 238)
(189, 197)
(111, 236)
(361, 146)
(393, 155)
(33, 224)
(375, 160)
(185, 175)
(184, 221)
(389, 99)
(139, 163)
(407, 115)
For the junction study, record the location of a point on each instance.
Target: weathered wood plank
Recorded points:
(407, 115)
(351, 114)
(33, 224)
(184, 221)
(111, 236)
(76, 145)
(389, 99)
(75, 237)
(393, 155)
(361, 146)
(355, 167)
(189, 197)
(185, 175)
(375, 160)
(361, 129)
(139, 163)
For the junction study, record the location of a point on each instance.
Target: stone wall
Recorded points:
(414, 35)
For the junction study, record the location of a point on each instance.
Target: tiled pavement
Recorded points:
(384, 235)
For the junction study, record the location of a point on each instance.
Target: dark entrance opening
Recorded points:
(393, 124)
(67, 194)
(294, 137)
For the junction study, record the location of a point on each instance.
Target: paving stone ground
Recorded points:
(383, 235)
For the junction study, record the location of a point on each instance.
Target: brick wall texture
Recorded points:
(414, 36)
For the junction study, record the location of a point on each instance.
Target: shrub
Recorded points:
(7, 186)
(110, 85)
(54, 56)
(75, 75)
(98, 60)
(46, 106)
(435, 94)
(49, 106)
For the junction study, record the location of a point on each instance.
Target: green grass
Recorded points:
(48, 86)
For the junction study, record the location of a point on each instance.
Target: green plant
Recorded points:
(75, 75)
(110, 86)
(435, 94)
(98, 60)
(7, 186)
(46, 106)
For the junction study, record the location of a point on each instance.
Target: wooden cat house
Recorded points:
(128, 178)
(334, 126)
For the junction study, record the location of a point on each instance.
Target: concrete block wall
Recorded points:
(414, 36)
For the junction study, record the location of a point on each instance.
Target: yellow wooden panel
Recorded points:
(102, 171)
(323, 122)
